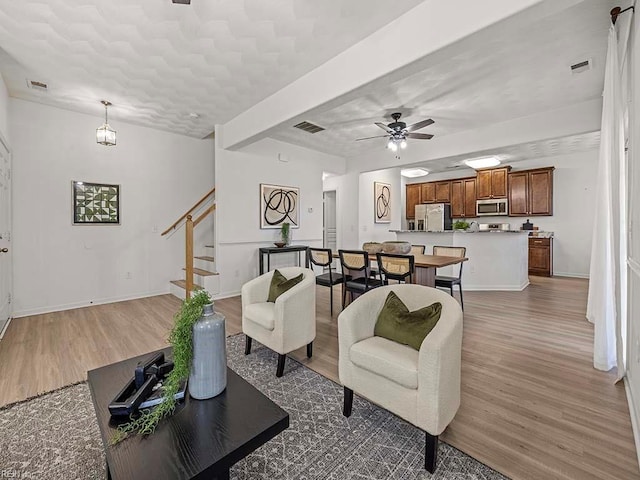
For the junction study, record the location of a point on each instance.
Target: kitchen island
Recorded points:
(497, 260)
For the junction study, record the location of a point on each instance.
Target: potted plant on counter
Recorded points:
(461, 225)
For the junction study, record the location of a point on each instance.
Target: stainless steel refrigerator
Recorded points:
(433, 217)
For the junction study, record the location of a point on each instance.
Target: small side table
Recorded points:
(262, 251)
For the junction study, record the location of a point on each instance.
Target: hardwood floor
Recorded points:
(532, 407)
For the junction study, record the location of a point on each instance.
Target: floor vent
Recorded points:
(309, 127)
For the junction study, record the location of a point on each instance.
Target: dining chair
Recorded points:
(395, 267)
(355, 265)
(323, 257)
(417, 249)
(449, 282)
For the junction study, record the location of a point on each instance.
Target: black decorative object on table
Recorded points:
(146, 376)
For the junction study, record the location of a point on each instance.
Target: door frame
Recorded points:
(4, 144)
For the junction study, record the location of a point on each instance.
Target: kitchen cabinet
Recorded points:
(492, 183)
(531, 192)
(443, 192)
(463, 198)
(470, 196)
(412, 199)
(428, 192)
(541, 256)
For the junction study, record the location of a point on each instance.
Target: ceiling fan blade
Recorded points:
(384, 127)
(419, 125)
(369, 138)
(421, 136)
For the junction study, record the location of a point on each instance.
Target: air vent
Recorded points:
(309, 127)
(582, 66)
(182, 2)
(35, 85)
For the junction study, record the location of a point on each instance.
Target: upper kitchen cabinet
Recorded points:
(492, 183)
(531, 192)
(463, 198)
(428, 193)
(443, 192)
(413, 199)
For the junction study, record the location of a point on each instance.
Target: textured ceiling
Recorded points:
(517, 153)
(158, 62)
(496, 75)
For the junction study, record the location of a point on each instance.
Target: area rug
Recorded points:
(55, 436)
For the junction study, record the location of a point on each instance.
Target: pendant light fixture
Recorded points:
(105, 135)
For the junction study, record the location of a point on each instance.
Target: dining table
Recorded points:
(425, 266)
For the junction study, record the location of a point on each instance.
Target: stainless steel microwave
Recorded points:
(492, 207)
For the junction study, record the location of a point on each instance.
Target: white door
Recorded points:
(330, 235)
(5, 236)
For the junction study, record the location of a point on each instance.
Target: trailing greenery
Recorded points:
(460, 225)
(181, 339)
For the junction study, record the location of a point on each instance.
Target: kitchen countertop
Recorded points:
(459, 231)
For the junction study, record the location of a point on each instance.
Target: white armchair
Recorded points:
(422, 387)
(285, 325)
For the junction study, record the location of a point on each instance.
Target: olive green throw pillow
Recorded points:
(395, 322)
(280, 284)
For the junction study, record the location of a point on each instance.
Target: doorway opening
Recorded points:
(329, 224)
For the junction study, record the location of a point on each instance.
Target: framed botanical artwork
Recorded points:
(95, 203)
(382, 202)
(278, 205)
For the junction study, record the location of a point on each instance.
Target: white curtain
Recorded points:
(607, 302)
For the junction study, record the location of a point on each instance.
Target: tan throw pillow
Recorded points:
(280, 284)
(395, 322)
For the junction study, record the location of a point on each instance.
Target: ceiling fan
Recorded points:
(398, 132)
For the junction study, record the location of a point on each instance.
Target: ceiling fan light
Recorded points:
(485, 162)
(394, 147)
(403, 144)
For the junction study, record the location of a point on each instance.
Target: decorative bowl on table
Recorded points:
(397, 247)
(280, 244)
(372, 247)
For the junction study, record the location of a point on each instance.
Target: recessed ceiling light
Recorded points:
(482, 162)
(414, 172)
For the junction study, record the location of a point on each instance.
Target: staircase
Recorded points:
(199, 270)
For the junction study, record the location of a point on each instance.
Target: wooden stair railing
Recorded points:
(189, 225)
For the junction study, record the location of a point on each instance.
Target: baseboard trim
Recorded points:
(6, 325)
(494, 288)
(90, 303)
(220, 296)
(635, 420)
(571, 275)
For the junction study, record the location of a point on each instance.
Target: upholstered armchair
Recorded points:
(287, 324)
(422, 387)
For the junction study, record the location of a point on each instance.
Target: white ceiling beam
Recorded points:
(573, 120)
(425, 29)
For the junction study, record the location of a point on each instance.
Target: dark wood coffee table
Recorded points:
(203, 439)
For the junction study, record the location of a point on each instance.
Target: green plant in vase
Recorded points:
(461, 225)
(284, 232)
(181, 339)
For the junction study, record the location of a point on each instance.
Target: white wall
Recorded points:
(369, 230)
(573, 201)
(633, 357)
(238, 178)
(58, 265)
(4, 109)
